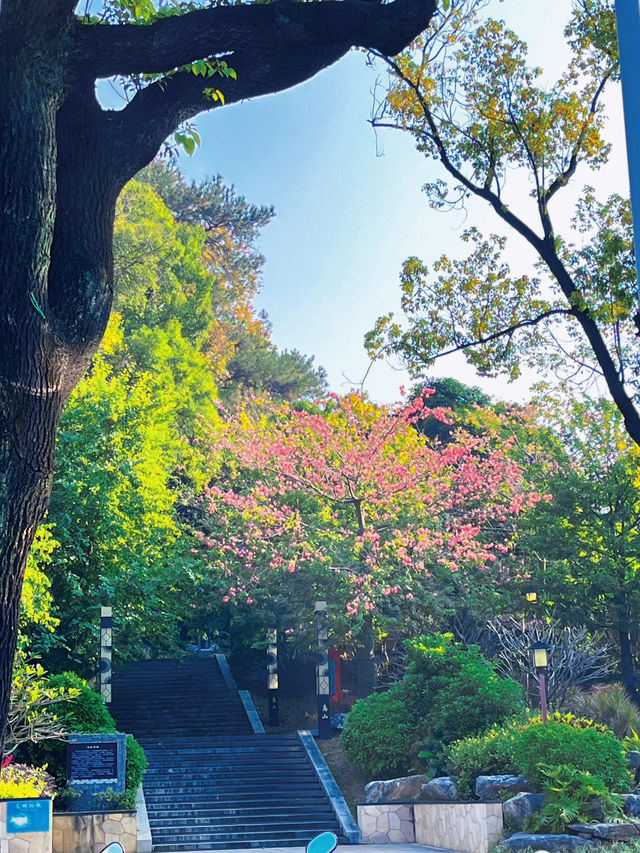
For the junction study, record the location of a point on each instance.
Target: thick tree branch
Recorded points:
(106, 50)
(155, 112)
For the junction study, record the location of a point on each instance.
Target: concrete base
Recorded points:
(386, 823)
(89, 832)
(464, 827)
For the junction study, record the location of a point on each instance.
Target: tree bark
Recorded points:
(366, 676)
(627, 669)
(63, 161)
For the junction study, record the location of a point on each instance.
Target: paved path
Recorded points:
(348, 848)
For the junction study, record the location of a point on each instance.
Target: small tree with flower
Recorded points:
(348, 501)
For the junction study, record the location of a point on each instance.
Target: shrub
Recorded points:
(483, 755)
(519, 746)
(585, 749)
(377, 733)
(85, 712)
(136, 765)
(448, 692)
(453, 692)
(21, 782)
(571, 720)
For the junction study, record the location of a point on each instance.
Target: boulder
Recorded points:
(489, 787)
(403, 790)
(515, 810)
(606, 831)
(546, 843)
(633, 757)
(632, 805)
(337, 722)
(441, 789)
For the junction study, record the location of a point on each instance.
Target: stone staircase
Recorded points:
(212, 783)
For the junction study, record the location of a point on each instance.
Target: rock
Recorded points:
(606, 831)
(403, 790)
(489, 787)
(632, 805)
(518, 808)
(337, 722)
(633, 757)
(442, 789)
(546, 843)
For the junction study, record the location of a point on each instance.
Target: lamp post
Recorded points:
(272, 675)
(540, 660)
(322, 670)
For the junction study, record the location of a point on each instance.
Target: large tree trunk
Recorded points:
(46, 338)
(366, 676)
(63, 161)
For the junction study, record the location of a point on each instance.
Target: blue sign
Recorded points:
(28, 815)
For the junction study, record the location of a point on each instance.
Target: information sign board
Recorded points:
(28, 815)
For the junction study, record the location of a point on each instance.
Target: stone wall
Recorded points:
(23, 842)
(386, 823)
(458, 826)
(90, 832)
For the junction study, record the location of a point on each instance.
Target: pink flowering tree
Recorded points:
(347, 501)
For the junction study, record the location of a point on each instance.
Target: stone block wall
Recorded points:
(23, 842)
(458, 826)
(90, 832)
(386, 823)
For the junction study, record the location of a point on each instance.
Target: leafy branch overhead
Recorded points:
(467, 94)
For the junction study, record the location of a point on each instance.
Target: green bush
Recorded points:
(136, 765)
(85, 713)
(448, 692)
(521, 746)
(453, 692)
(608, 704)
(587, 749)
(377, 733)
(483, 755)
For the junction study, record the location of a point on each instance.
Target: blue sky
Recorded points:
(348, 217)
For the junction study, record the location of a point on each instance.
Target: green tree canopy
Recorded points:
(467, 94)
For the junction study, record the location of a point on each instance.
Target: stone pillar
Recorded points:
(322, 670)
(106, 642)
(272, 676)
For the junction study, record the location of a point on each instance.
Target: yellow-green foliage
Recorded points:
(20, 782)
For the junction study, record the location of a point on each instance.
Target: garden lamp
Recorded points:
(539, 655)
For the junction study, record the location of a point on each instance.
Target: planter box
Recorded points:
(25, 826)
(458, 826)
(386, 823)
(89, 832)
